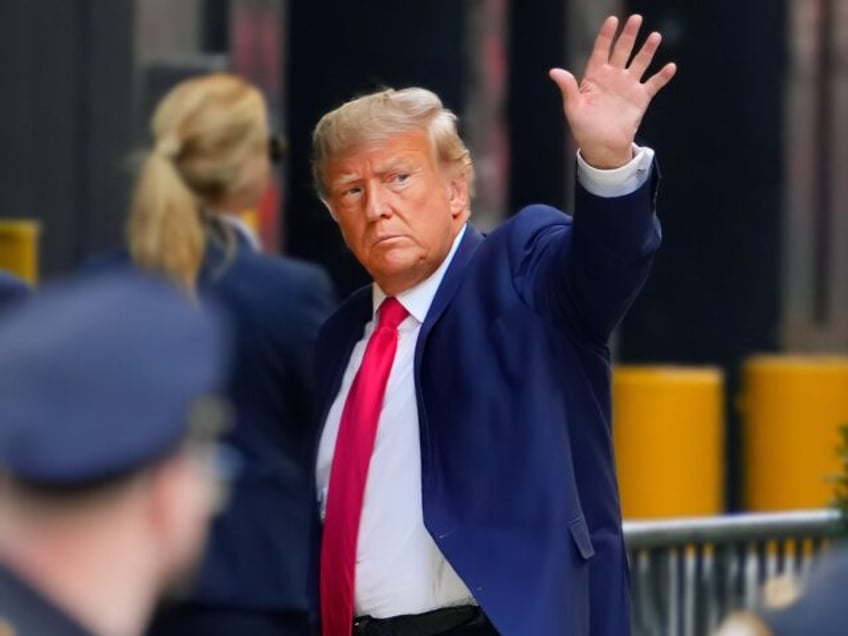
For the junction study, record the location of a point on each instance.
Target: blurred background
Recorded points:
(749, 135)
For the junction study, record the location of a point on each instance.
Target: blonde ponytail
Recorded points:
(165, 234)
(211, 139)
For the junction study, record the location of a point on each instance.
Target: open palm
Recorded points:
(604, 111)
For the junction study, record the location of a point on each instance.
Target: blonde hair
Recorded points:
(376, 117)
(207, 132)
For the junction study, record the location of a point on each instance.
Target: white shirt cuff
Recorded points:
(619, 181)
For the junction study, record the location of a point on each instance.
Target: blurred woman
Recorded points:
(210, 159)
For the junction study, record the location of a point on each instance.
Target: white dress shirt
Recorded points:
(242, 229)
(399, 569)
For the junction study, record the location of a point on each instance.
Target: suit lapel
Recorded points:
(449, 285)
(341, 336)
(447, 289)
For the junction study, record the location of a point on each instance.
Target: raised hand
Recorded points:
(605, 110)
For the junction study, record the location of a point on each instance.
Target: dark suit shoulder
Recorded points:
(276, 303)
(354, 310)
(535, 216)
(526, 235)
(298, 272)
(539, 214)
(528, 223)
(277, 283)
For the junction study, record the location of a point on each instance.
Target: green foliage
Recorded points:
(840, 481)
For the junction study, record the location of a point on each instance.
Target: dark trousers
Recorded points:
(466, 630)
(486, 629)
(189, 619)
(435, 623)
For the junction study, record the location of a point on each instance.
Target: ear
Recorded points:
(458, 193)
(180, 508)
(164, 488)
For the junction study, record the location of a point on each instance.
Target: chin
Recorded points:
(395, 262)
(398, 280)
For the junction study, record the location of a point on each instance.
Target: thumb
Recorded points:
(566, 83)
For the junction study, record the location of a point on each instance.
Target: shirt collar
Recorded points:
(242, 229)
(417, 300)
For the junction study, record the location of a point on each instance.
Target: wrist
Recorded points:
(607, 159)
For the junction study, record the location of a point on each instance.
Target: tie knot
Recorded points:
(392, 313)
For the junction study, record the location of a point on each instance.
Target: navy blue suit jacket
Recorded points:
(512, 375)
(258, 552)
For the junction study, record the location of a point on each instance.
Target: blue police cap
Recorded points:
(98, 377)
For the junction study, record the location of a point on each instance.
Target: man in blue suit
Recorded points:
(465, 467)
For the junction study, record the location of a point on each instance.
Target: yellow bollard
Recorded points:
(792, 408)
(19, 248)
(668, 430)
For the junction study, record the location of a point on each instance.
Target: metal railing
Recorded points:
(688, 574)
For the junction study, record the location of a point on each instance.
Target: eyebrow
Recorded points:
(402, 163)
(344, 180)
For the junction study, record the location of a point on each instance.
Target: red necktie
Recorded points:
(351, 457)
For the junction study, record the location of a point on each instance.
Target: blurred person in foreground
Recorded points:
(210, 160)
(816, 608)
(106, 487)
(470, 382)
(12, 289)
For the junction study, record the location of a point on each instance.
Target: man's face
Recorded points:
(398, 211)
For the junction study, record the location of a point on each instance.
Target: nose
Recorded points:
(376, 203)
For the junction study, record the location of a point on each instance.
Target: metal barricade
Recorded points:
(688, 574)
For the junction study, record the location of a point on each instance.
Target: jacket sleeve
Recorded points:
(584, 272)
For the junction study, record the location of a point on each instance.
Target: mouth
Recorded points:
(388, 239)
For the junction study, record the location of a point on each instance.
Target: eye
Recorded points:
(400, 177)
(351, 191)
